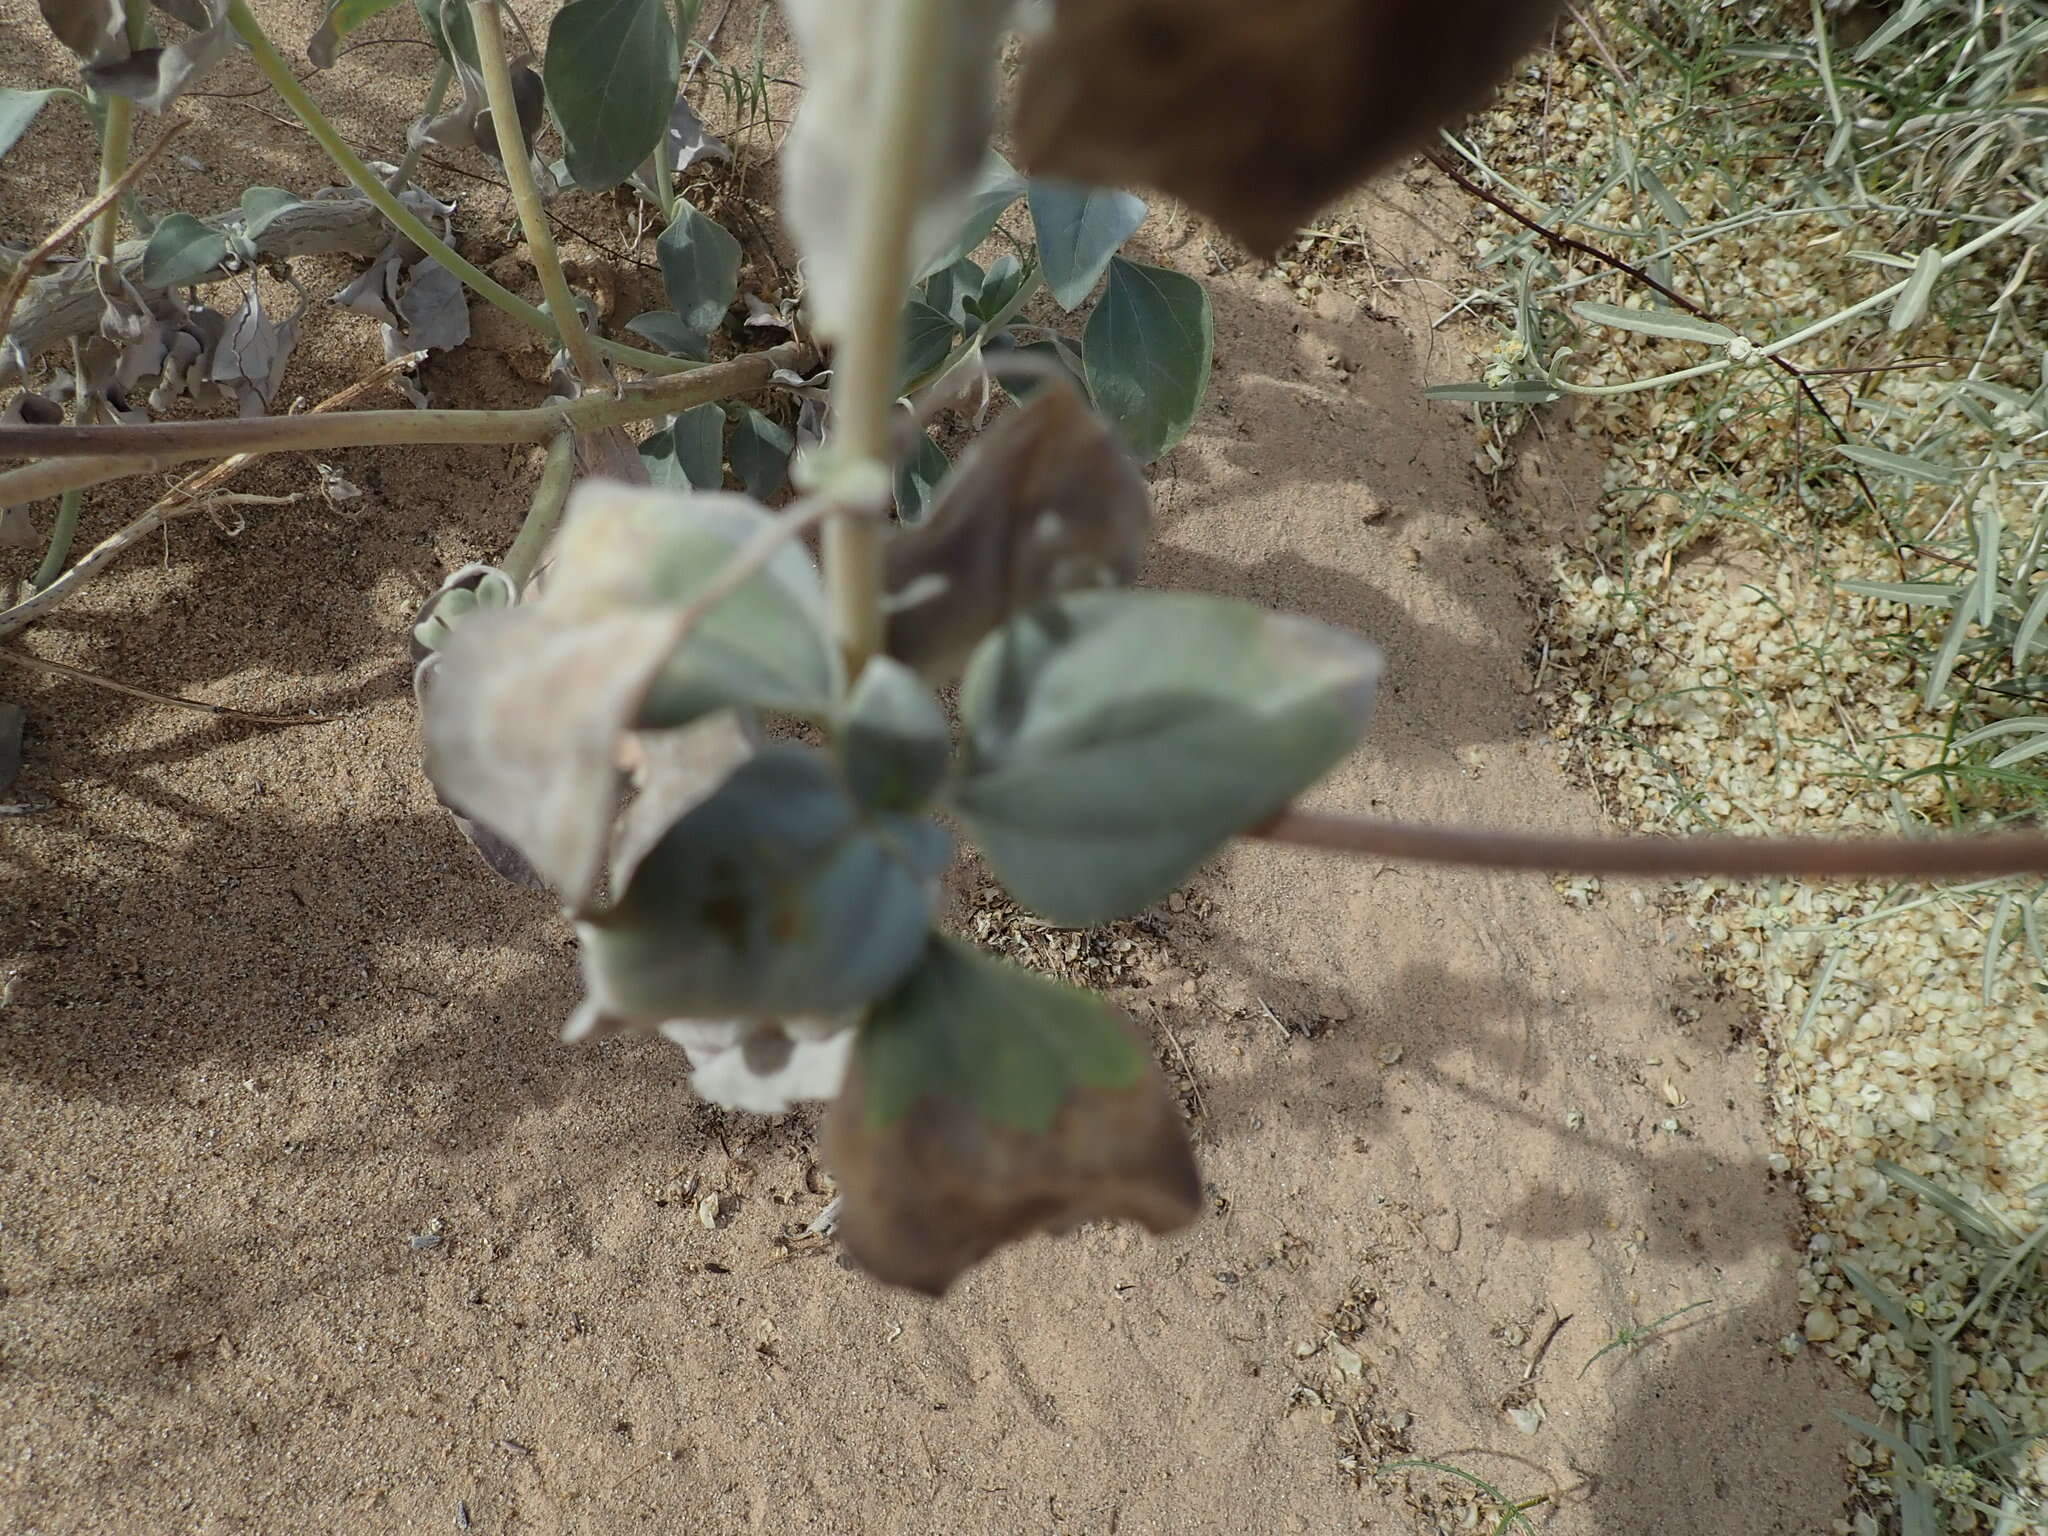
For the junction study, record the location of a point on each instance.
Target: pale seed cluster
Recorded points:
(1704, 661)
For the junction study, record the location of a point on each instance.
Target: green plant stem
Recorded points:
(1769, 351)
(910, 48)
(116, 134)
(281, 79)
(61, 534)
(115, 137)
(437, 93)
(81, 456)
(548, 496)
(533, 219)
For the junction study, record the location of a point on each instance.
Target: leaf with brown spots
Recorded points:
(985, 1103)
(1257, 115)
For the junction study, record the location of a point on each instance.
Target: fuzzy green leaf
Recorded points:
(700, 272)
(448, 28)
(687, 454)
(181, 250)
(1063, 350)
(765, 646)
(1115, 740)
(1146, 350)
(19, 108)
(760, 453)
(611, 73)
(894, 747)
(1079, 229)
(997, 185)
(949, 289)
(927, 338)
(773, 897)
(917, 481)
(262, 205)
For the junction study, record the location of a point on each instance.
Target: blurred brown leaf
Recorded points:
(1257, 115)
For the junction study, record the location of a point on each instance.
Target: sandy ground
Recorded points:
(307, 1222)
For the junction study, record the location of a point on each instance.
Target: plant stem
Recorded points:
(518, 163)
(437, 93)
(913, 40)
(546, 511)
(281, 79)
(115, 137)
(1664, 858)
(61, 534)
(121, 450)
(116, 134)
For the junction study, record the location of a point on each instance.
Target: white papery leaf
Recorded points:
(759, 1068)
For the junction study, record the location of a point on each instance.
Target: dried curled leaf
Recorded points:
(1256, 115)
(985, 1103)
(841, 43)
(1043, 502)
(155, 77)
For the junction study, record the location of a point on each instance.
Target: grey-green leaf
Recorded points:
(181, 250)
(522, 712)
(611, 73)
(996, 186)
(773, 897)
(927, 338)
(766, 646)
(917, 482)
(19, 108)
(1514, 392)
(447, 24)
(341, 18)
(999, 285)
(700, 272)
(1079, 229)
(1655, 322)
(893, 744)
(1902, 464)
(687, 453)
(1146, 351)
(760, 453)
(261, 206)
(1017, 383)
(665, 328)
(948, 289)
(1115, 740)
(1911, 303)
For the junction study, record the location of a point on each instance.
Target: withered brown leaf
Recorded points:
(1257, 115)
(1044, 502)
(984, 1103)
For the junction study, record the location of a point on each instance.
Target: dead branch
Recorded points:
(28, 266)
